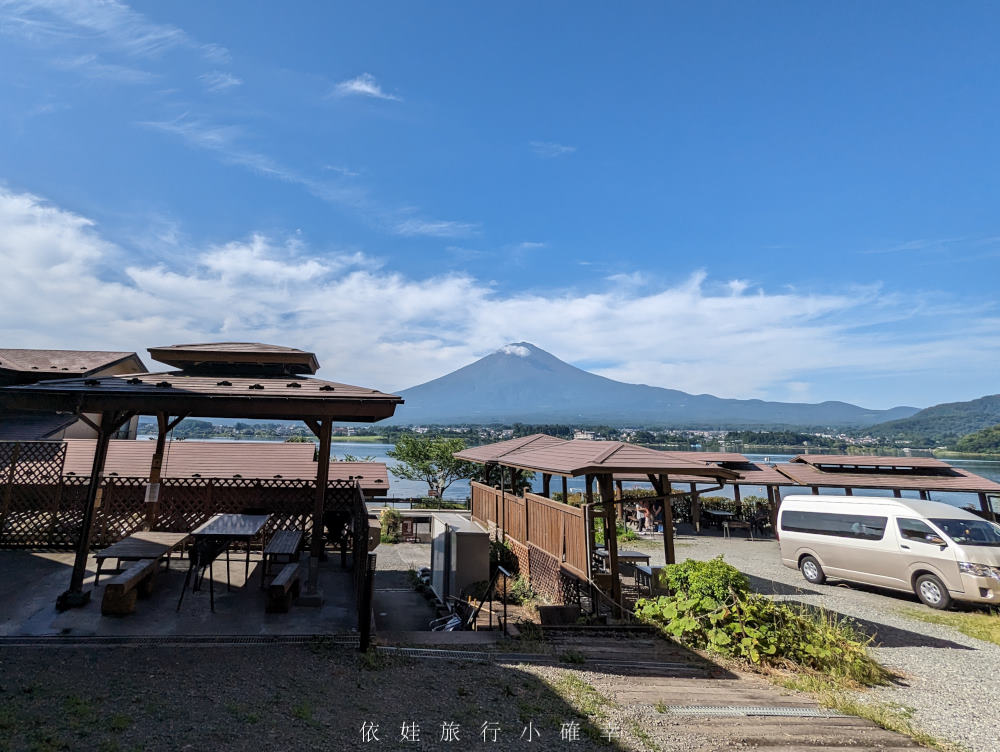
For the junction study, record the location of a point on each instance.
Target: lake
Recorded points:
(459, 490)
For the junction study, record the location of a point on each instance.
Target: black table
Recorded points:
(212, 539)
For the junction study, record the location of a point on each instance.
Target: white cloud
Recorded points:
(436, 228)
(364, 85)
(518, 350)
(550, 149)
(530, 245)
(65, 285)
(216, 81)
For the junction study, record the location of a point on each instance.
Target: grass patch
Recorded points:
(119, 722)
(303, 711)
(983, 625)
(572, 656)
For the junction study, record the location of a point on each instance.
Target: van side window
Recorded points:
(865, 527)
(915, 530)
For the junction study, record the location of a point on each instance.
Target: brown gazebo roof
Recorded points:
(235, 356)
(904, 473)
(263, 396)
(496, 452)
(582, 457)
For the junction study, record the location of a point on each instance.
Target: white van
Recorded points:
(935, 550)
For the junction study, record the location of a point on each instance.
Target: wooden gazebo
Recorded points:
(600, 461)
(214, 380)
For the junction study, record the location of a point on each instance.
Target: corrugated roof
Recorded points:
(55, 361)
(956, 479)
(851, 460)
(221, 459)
(207, 395)
(581, 457)
(27, 426)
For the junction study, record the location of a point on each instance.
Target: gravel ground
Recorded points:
(949, 680)
(309, 698)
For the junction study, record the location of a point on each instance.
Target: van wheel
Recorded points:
(812, 571)
(931, 591)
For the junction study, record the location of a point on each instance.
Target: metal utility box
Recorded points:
(460, 554)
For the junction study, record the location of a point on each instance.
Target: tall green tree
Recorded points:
(432, 461)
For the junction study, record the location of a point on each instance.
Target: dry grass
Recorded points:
(983, 625)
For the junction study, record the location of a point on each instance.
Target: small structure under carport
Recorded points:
(215, 380)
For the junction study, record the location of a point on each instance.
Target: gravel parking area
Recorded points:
(949, 679)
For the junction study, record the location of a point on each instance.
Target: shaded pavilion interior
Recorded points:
(212, 380)
(600, 462)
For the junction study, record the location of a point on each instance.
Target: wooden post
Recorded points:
(565, 485)
(620, 490)
(848, 491)
(316, 546)
(772, 508)
(668, 521)
(923, 495)
(984, 504)
(546, 482)
(606, 487)
(897, 493)
(8, 490)
(815, 490)
(75, 596)
(738, 502)
(589, 498)
(696, 510)
(777, 507)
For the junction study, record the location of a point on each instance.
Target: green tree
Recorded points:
(432, 461)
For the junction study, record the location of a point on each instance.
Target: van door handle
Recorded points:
(904, 546)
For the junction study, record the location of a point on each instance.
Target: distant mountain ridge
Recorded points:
(523, 383)
(944, 423)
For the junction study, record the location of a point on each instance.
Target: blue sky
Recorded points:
(789, 201)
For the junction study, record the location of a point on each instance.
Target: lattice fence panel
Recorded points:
(122, 510)
(30, 493)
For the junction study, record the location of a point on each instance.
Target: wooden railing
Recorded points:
(551, 526)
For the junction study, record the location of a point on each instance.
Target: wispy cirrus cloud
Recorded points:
(216, 81)
(364, 85)
(92, 67)
(436, 228)
(106, 22)
(227, 142)
(551, 149)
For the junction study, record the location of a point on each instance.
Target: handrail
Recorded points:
(489, 593)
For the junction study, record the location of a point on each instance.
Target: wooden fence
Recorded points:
(550, 526)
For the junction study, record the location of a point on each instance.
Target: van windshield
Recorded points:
(970, 532)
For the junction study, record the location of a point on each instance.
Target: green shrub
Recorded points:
(520, 590)
(711, 607)
(391, 522)
(713, 579)
(501, 555)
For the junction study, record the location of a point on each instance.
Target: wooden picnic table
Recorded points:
(139, 546)
(632, 558)
(212, 539)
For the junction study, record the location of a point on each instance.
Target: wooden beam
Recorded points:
(314, 426)
(668, 522)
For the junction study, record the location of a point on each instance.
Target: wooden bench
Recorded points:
(284, 543)
(283, 589)
(121, 591)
